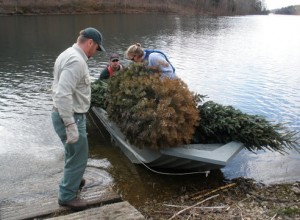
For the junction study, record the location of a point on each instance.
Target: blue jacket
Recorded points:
(165, 71)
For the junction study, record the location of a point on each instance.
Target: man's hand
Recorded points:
(71, 131)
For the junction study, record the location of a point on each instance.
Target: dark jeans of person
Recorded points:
(76, 156)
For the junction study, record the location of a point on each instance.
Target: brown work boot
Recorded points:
(76, 204)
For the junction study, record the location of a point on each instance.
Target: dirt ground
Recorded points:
(239, 199)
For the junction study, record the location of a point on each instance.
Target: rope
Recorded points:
(170, 174)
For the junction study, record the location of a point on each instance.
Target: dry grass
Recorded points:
(242, 199)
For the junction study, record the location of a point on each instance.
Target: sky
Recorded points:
(274, 4)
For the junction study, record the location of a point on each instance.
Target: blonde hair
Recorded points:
(135, 49)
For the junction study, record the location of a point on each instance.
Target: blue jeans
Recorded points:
(76, 156)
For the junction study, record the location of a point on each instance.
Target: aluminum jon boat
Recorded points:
(197, 157)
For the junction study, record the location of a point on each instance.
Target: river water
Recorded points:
(249, 62)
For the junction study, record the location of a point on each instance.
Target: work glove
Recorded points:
(71, 130)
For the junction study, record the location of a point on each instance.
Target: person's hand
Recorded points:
(71, 131)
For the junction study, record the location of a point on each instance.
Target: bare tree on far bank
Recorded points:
(291, 10)
(202, 7)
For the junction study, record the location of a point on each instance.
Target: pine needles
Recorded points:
(156, 112)
(99, 89)
(152, 111)
(224, 124)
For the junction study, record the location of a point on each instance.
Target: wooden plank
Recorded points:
(50, 206)
(116, 211)
(96, 192)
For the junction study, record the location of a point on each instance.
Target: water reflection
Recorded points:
(249, 62)
(24, 93)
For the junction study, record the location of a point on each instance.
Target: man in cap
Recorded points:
(113, 67)
(71, 94)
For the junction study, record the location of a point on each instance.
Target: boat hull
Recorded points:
(198, 157)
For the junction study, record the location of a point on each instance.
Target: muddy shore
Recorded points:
(238, 199)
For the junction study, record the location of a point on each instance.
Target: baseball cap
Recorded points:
(95, 35)
(114, 56)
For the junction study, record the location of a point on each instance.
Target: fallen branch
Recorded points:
(245, 199)
(274, 216)
(215, 190)
(211, 207)
(190, 207)
(241, 211)
(164, 212)
(268, 199)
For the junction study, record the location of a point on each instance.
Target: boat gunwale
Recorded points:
(219, 156)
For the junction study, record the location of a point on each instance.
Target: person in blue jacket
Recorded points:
(154, 58)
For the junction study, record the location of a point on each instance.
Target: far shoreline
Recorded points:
(188, 7)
